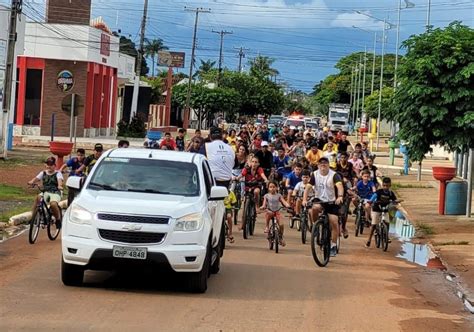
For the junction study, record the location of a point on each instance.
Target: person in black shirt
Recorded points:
(374, 171)
(343, 144)
(265, 158)
(90, 161)
(381, 198)
(344, 168)
(180, 139)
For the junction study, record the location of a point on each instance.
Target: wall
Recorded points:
(64, 11)
(52, 97)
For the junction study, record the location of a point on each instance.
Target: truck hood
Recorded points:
(138, 203)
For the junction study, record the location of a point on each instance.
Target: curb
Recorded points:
(25, 217)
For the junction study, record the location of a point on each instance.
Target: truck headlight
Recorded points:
(79, 215)
(190, 222)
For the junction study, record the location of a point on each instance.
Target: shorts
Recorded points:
(274, 214)
(225, 183)
(52, 197)
(331, 209)
(377, 217)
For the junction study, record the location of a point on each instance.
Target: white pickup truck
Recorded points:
(144, 207)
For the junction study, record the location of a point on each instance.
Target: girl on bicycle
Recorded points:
(272, 202)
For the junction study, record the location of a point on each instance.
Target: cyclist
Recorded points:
(282, 164)
(365, 188)
(381, 198)
(374, 171)
(90, 161)
(168, 143)
(300, 188)
(298, 150)
(265, 158)
(74, 163)
(221, 158)
(123, 144)
(357, 163)
(252, 175)
(293, 179)
(272, 202)
(328, 187)
(52, 183)
(331, 155)
(313, 155)
(229, 202)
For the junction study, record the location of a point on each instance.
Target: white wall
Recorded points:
(69, 42)
(126, 67)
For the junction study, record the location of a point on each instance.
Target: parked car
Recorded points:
(275, 120)
(148, 208)
(295, 122)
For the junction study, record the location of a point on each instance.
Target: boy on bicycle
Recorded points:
(252, 175)
(272, 202)
(300, 189)
(365, 188)
(52, 183)
(293, 179)
(380, 199)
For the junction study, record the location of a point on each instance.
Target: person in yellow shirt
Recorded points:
(331, 141)
(313, 155)
(229, 203)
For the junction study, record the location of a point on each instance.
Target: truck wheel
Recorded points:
(221, 245)
(71, 275)
(216, 266)
(197, 281)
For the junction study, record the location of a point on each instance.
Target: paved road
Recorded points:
(361, 289)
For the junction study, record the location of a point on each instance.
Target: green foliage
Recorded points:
(336, 88)
(152, 48)
(127, 46)
(134, 129)
(372, 103)
(434, 102)
(261, 67)
(205, 68)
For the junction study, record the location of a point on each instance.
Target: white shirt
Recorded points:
(324, 186)
(221, 159)
(59, 176)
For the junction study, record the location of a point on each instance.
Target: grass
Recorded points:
(425, 229)
(452, 243)
(23, 207)
(396, 185)
(9, 193)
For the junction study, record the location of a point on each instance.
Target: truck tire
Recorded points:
(197, 281)
(71, 275)
(216, 266)
(221, 245)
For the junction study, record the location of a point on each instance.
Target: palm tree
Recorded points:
(204, 68)
(152, 48)
(261, 67)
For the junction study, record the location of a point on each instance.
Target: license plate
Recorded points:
(129, 252)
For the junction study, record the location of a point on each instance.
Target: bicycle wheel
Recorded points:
(320, 243)
(291, 222)
(246, 219)
(384, 237)
(377, 236)
(270, 237)
(276, 236)
(304, 229)
(54, 228)
(357, 222)
(298, 224)
(338, 241)
(35, 224)
(253, 219)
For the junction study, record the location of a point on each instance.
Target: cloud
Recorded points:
(347, 20)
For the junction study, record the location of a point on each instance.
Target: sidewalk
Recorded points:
(451, 236)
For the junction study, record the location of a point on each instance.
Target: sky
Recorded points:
(305, 37)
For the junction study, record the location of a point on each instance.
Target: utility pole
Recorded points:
(241, 56)
(373, 63)
(190, 79)
(381, 84)
(428, 15)
(222, 33)
(363, 86)
(16, 6)
(358, 89)
(136, 87)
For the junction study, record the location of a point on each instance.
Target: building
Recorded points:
(80, 59)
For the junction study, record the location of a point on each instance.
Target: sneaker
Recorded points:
(333, 252)
(367, 245)
(266, 230)
(282, 242)
(345, 233)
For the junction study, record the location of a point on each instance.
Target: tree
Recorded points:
(261, 67)
(434, 102)
(152, 48)
(372, 103)
(127, 46)
(205, 68)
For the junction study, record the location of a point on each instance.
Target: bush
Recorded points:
(135, 129)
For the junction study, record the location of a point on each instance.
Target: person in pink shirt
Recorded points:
(357, 163)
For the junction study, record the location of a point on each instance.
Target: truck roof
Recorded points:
(178, 156)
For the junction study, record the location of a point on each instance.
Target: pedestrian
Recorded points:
(180, 139)
(123, 144)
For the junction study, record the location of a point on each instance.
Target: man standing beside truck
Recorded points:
(221, 158)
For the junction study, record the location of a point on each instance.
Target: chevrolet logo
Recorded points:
(132, 227)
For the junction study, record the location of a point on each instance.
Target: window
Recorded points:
(207, 177)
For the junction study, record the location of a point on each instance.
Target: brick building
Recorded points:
(63, 57)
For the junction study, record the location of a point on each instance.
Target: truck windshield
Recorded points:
(146, 175)
(339, 114)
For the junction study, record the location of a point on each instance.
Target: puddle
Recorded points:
(420, 254)
(11, 232)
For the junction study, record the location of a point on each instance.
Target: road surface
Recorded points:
(256, 290)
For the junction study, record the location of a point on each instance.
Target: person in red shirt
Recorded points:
(168, 143)
(252, 175)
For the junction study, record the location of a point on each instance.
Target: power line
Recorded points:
(221, 33)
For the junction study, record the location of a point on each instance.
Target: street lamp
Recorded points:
(374, 55)
(408, 5)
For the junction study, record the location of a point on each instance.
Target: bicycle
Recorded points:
(274, 236)
(304, 225)
(360, 220)
(42, 217)
(238, 196)
(250, 210)
(321, 237)
(382, 229)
